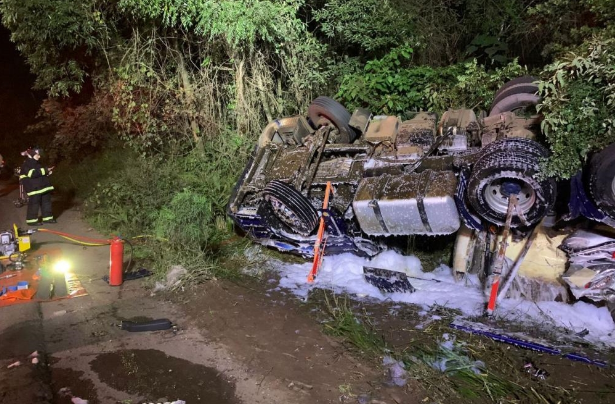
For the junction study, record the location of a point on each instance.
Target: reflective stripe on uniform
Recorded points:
(31, 220)
(21, 177)
(30, 173)
(47, 218)
(43, 171)
(40, 191)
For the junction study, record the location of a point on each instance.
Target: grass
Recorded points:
(201, 266)
(455, 365)
(462, 368)
(176, 205)
(357, 332)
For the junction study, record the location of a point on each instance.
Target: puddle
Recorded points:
(75, 383)
(154, 375)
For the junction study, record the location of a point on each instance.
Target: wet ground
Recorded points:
(158, 377)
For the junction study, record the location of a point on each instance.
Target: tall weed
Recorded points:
(186, 220)
(180, 199)
(129, 201)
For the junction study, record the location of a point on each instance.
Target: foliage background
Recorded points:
(175, 92)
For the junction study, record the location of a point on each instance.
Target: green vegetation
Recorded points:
(178, 203)
(579, 105)
(154, 105)
(358, 332)
(171, 95)
(394, 85)
(451, 365)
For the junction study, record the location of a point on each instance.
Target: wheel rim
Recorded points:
(286, 215)
(496, 195)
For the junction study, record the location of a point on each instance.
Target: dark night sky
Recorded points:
(18, 102)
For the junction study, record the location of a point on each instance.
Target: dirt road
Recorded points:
(234, 344)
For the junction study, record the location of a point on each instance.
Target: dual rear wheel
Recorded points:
(511, 165)
(507, 167)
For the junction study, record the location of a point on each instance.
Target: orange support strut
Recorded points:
(319, 246)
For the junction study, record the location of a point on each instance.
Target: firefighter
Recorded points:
(36, 183)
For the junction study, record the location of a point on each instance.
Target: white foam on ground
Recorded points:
(344, 273)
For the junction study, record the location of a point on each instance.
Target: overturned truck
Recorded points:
(392, 177)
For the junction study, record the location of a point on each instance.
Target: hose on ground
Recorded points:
(77, 239)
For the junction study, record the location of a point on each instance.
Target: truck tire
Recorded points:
(518, 93)
(514, 102)
(513, 82)
(325, 111)
(506, 166)
(601, 178)
(286, 206)
(522, 88)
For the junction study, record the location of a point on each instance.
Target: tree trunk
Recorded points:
(189, 100)
(240, 96)
(263, 97)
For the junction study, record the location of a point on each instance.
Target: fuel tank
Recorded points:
(416, 203)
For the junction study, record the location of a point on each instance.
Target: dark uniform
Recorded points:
(38, 188)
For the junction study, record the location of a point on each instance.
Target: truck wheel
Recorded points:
(515, 102)
(601, 176)
(505, 167)
(289, 207)
(522, 88)
(326, 111)
(514, 95)
(511, 83)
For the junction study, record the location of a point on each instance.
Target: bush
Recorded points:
(186, 220)
(182, 199)
(578, 106)
(392, 85)
(470, 85)
(128, 202)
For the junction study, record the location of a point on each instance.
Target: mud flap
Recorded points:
(388, 281)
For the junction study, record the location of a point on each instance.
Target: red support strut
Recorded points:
(319, 246)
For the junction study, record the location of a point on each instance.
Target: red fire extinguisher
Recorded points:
(116, 262)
